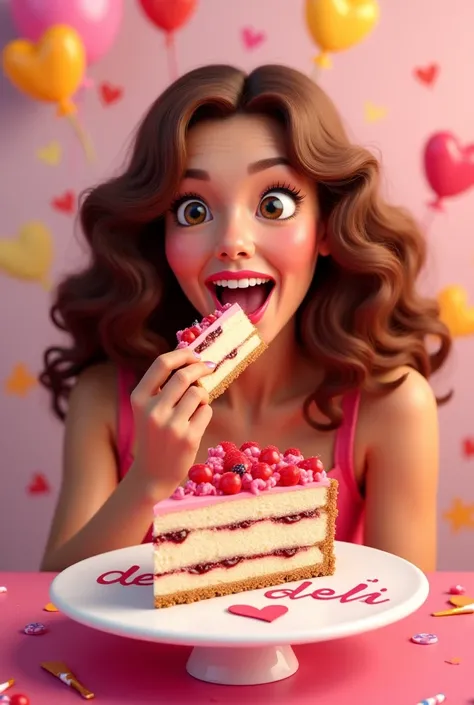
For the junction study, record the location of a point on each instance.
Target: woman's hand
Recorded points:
(171, 414)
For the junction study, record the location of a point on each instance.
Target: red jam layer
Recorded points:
(202, 568)
(181, 536)
(208, 340)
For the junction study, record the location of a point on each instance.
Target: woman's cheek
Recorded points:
(294, 249)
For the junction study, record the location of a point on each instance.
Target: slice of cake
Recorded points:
(228, 338)
(245, 519)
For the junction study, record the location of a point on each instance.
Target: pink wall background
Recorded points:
(379, 71)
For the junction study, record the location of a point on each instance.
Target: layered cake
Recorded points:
(227, 338)
(247, 518)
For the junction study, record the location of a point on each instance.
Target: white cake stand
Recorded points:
(231, 649)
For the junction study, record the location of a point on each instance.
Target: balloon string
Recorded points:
(427, 221)
(83, 137)
(172, 58)
(315, 73)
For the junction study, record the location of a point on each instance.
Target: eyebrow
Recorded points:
(254, 168)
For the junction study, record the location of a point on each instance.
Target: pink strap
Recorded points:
(345, 437)
(125, 430)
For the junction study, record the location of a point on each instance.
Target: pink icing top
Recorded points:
(349, 525)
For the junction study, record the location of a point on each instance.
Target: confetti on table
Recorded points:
(63, 672)
(424, 638)
(251, 38)
(374, 113)
(2, 589)
(5, 700)
(460, 515)
(50, 608)
(453, 661)
(20, 381)
(66, 203)
(110, 94)
(38, 485)
(435, 700)
(35, 629)
(50, 154)
(427, 74)
(6, 685)
(19, 699)
(457, 590)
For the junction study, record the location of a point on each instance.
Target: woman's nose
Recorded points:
(237, 241)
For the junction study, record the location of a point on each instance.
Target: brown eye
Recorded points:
(277, 205)
(192, 212)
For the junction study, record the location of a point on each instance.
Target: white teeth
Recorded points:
(240, 283)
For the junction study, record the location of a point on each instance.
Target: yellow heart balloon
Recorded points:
(336, 25)
(455, 311)
(29, 255)
(50, 70)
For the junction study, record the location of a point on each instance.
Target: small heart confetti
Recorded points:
(267, 614)
(251, 38)
(50, 154)
(50, 608)
(65, 203)
(374, 113)
(468, 447)
(427, 74)
(453, 661)
(110, 94)
(38, 484)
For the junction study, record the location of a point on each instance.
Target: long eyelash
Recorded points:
(286, 188)
(184, 197)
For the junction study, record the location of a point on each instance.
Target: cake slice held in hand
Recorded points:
(227, 338)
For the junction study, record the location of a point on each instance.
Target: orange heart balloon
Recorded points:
(50, 70)
(336, 25)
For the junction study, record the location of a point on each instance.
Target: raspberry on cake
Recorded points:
(241, 523)
(229, 340)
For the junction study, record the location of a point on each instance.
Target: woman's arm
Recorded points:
(95, 513)
(402, 472)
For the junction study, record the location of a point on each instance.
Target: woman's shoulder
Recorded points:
(411, 402)
(96, 394)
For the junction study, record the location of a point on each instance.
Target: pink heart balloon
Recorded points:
(449, 166)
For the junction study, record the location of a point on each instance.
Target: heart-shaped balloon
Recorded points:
(336, 25)
(50, 70)
(449, 166)
(28, 255)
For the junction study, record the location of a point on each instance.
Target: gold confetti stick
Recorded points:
(469, 609)
(83, 137)
(61, 670)
(7, 684)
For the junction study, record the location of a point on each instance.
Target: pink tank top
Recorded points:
(349, 526)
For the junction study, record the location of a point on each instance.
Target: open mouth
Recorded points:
(252, 294)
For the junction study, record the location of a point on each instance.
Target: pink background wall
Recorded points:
(379, 72)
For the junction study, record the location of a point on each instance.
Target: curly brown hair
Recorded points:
(361, 316)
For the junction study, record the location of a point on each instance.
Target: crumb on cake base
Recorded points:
(325, 568)
(236, 371)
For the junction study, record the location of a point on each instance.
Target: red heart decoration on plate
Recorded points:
(266, 614)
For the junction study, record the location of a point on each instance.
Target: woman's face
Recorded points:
(243, 227)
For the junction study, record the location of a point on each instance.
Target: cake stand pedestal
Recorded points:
(113, 592)
(242, 666)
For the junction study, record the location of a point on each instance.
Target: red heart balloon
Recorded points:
(168, 15)
(449, 166)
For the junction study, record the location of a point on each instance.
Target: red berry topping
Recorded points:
(261, 471)
(270, 455)
(292, 451)
(196, 330)
(19, 699)
(312, 463)
(236, 457)
(230, 483)
(188, 336)
(228, 446)
(200, 473)
(211, 318)
(289, 475)
(249, 444)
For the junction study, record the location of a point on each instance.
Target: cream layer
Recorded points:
(209, 512)
(210, 546)
(244, 349)
(235, 329)
(250, 568)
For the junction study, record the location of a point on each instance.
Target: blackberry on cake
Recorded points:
(247, 518)
(229, 339)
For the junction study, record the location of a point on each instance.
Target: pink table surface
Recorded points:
(377, 668)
